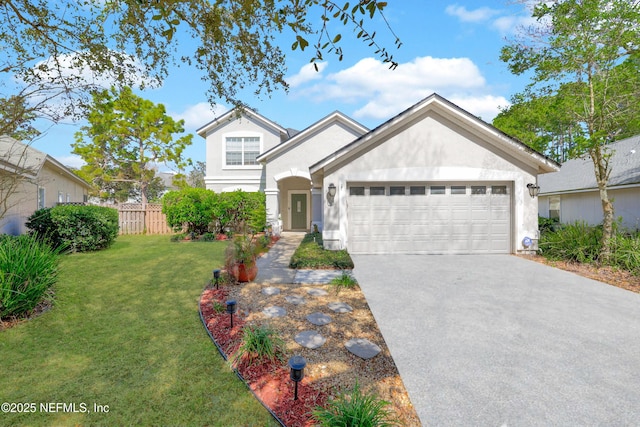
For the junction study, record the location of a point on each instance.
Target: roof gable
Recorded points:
(317, 127)
(234, 114)
(578, 174)
(25, 160)
(453, 113)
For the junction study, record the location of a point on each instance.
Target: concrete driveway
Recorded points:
(502, 341)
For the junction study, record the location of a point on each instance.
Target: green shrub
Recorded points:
(625, 252)
(260, 342)
(578, 242)
(311, 254)
(190, 208)
(28, 269)
(547, 224)
(241, 212)
(355, 409)
(76, 228)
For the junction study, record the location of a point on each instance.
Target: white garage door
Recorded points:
(432, 218)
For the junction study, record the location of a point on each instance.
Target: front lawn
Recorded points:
(125, 334)
(311, 254)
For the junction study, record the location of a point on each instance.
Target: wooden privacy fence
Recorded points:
(135, 220)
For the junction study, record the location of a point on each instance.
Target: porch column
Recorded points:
(273, 209)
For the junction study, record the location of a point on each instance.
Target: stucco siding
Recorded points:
(220, 177)
(433, 150)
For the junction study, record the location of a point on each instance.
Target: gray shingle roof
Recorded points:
(578, 174)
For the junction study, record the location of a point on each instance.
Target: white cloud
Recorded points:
(478, 15)
(195, 116)
(306, 74)
(74, 69)
(387, 92)
(71, 161)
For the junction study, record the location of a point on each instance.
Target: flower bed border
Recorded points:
(268, 381)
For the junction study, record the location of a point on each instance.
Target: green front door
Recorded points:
(298, 211)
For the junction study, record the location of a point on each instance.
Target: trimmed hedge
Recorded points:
(28, 269)
(76, 228)
(199, 210)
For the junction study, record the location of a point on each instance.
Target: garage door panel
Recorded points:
(454, 222)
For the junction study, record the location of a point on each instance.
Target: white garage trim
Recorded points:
(430, 217)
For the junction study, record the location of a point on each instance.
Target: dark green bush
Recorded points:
(28, 269)
(190, 208)
(547, 224)
(199, 211)
(76, 228)
(578, 242)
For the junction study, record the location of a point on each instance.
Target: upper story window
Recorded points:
(242, 150)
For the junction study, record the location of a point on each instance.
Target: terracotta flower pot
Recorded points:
(243, 274)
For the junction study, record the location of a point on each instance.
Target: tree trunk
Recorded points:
(602, 169)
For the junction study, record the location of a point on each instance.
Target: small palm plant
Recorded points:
(353, 408)
(260, 342)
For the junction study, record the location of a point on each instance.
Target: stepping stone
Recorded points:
(319, 319)
(340, 307)
(270, 290)
(317, 292)
(362, 347)
(295, 300)
(274, 311)
(310, 339)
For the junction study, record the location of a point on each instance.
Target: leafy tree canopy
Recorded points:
(584, 58)
(127, 136)
(59, 51)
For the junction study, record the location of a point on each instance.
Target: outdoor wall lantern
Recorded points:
(297, 364)
(331, 194)
(231, 308)
(216, 277)
(533, 190)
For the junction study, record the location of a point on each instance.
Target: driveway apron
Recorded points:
(499, 340)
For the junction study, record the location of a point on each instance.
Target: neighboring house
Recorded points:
(30, 180)
(434, 179)
(572, 193)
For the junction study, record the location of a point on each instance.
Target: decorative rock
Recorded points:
(319, 319)
(340, 307)
(270, 290)
(310, 339)
(295, 300)
(362, 347)
(274, 311)
(317, 292)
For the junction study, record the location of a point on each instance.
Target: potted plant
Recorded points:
(241, 258)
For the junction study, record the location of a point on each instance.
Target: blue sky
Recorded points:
(449, 48)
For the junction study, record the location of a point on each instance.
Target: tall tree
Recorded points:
(65, 48)
(584, 52)
(126, 138)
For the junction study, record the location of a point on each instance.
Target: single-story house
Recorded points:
(31, 180)
(572, 194)
(433, 179)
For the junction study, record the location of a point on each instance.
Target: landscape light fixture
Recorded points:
(297, 364)
(231, 308)
(216, 277)
(331, 194)
(533, 190)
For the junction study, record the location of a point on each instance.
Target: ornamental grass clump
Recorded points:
(344, 281)
(28, 269)
(260, 342)
(353, 408)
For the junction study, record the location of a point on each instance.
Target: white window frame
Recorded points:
(42, 193)
(241, 134)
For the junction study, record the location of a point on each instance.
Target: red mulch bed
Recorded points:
(269, 381)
